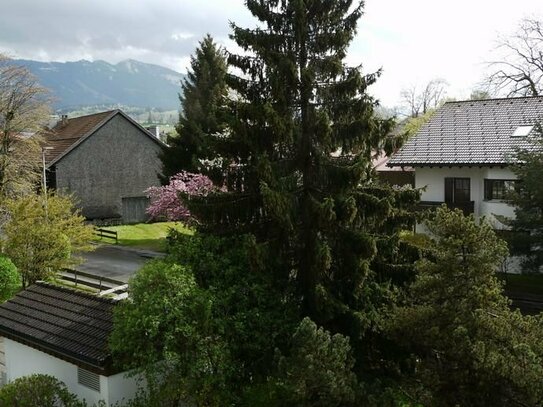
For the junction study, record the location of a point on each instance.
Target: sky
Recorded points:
(412, 41)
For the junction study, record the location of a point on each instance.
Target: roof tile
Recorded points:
(471, 133)
(67, 323)
(64, 134)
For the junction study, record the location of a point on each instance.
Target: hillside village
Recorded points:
(290, 242)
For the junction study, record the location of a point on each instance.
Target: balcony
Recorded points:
(467, 207)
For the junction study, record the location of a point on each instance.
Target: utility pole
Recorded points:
(44, 176)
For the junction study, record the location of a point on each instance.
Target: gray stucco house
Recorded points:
(107, 161)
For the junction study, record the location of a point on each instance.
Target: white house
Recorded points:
(463, 154)
(63, 333)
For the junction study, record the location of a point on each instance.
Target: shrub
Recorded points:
(10, 279)
(38, 390)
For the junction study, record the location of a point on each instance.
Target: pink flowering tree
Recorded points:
(166, 201)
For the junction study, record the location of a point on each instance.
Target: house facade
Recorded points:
(392, 175)
(106, 161)
(462, 156)
(64, 333)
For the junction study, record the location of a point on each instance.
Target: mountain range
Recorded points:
(130, 83)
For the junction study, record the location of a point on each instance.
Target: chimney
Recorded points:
(155, 130)
(63, 120)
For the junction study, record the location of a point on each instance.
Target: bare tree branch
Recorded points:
(24, 110)
(419, 102)
(520, 72)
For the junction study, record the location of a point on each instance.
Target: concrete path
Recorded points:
(114, 261)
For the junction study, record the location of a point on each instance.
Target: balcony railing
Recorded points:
(466, 207)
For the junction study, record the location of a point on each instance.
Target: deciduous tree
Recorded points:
(414, 124)
(519, 70)
(420, 101)
(213, 321)
(167, 200)
(24, 109)
(167, 333)
(41, 235)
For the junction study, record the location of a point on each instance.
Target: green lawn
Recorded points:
(151, 236)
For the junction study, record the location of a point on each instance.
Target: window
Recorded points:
(88, 379)
(522, 131)
(499, 188)
(457, 190)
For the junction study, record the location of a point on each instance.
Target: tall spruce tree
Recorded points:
(201, 119)
(300, 175)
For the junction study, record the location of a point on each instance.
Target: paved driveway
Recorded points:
(116, 262)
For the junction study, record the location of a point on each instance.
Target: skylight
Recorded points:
(522, 131)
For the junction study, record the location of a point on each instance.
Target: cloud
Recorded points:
(159, 31)
(412, 41)
(419, 40)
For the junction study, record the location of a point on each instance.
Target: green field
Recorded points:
(150, 236)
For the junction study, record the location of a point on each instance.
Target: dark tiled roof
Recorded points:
(65, 134)
(69, 324)
(474, 132)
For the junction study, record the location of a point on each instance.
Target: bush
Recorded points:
(10, 279)
(39, 239)
(38, 390)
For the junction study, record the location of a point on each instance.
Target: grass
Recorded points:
(150, 236)
(525, 283)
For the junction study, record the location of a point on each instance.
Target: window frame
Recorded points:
(488, 189)
(451, 189)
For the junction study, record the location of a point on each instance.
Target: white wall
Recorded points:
(22, 360)
(120, 387)
(433, 179)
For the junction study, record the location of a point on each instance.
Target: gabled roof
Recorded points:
(471, 133)
(68, 324)
(68, 134)
(380, 164)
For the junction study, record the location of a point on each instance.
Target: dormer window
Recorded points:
(522, 131)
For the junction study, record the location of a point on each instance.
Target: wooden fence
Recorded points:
(107, 234)
(80, 278)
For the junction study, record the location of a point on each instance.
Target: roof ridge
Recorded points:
(492, 99)
(107, 112)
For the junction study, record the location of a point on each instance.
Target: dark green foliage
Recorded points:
(468, 348)
(252, 313)
(527, 236)
(202, 116)
(166, 329)
(305, 228)
(300, 173)
(10, 279)
(37, 390)
(317, 372)
(216, 327)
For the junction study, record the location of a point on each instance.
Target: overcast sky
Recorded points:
(413, 41)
